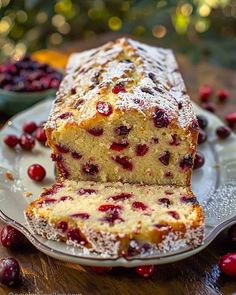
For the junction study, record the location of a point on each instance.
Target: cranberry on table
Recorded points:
(11, 140)
(101, 269)
(199, 160)
(227, 264)
(9, 271)
(36, 172)
(11, 237)
(145, 270)
(205, 91)
(27, 142)
(209, 106)
(222, 95)
(223, 132)
(202, 121)
(29, 127)
(231, 119)
(202, 137)
(40, 135)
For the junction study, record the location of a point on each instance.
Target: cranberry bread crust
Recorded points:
(115, 219)
(122, 114)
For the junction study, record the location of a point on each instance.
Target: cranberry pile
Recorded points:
(27, 75)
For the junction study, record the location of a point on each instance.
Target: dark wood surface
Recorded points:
(196, 275)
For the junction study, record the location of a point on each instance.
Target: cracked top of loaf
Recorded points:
(122, 76)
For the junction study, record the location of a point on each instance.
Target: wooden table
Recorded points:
(196, 275)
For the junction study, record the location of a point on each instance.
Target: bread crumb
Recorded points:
(9, 176)
(27, 194)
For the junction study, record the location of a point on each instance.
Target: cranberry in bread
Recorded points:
(115, 219)
(122, 114)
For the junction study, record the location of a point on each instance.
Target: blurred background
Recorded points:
(201, 29)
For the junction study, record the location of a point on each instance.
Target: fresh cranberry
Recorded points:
(40, 135)
(63, 226)
(165, 158)
(75, 235)
(188, 200)
(27, 142)
(209, 106)
(11, 140)
(145, 271)
(222, 95)
(119, 146)
(29, 127)
(202, 136)
(76, 155)
(223, 132)
(121, 197)
(141, 150)
(118, 88)
(202, 121)
(85, 191)
(227, 264)
(73, 91)
(47, 201)
(231, 119)
(101, 270)
(56, 158)
(160, 118)
(164, 201)
(90, 169)
(205, 91)
(104, 108)
(83, 216)
(65, 198)
(12, 238)
(124, 161)
(95, 131)
(186, 162)
(139, 206)
(65, 115)
(9, 271)
(109, 207)
(174, 214)
(36, 172)
(199, 160)
(122, 130)
(54, 83)
(62, 149)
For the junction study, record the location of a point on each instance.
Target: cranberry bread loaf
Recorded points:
(115, 219)
(122, 114)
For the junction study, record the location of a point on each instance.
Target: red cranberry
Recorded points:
(83, 216)
(54, 83)
(63, 226)
(65, 115)
(202, 136)
(124, 162)
(101, 270)
(56, 158)
(227, 264)
(84, 191)
(165, 158)
(188, 200)
(47, 201)
(209, 106)
(231, 119)
(62, 149)
(90, 169)
(65, 198)
(168, 174)
(145, 271)
(175, 140)
(222, 95)
(112, 217)
(29, 127)
(9, 271)
(104, 108)
(164, 201)
(141, 150)
(27, 142)
(160, 118)
(11, 140)
(36, 172)
(122, 130)
(205, 91)
(139, 206)
(12, 238)
(76, 155)
(109, 207)
(95, 131)
(121, 197)
(73, 91)
(40, 135)
(186, 162)
(119, 146)
(75, 235)
(174, 214)
(223, 132)
(202, 121)
(118, 88)
(199, 160)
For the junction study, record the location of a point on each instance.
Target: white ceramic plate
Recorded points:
(214, 185)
